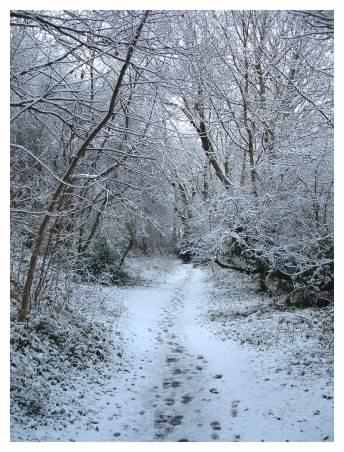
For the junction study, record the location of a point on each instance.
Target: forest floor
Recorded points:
(196, 358)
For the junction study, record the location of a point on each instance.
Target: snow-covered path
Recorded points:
(180, 382)
(186, 384)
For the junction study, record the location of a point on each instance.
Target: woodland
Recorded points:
(204, 135)
(207, 134)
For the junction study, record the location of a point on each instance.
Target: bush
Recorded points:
(43, 350)
(102, 259)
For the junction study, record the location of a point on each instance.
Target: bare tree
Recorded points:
(80, 153)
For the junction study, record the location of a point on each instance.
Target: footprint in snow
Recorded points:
(215, 425)
(178, 350)
(171, 360)
(234, 410)
(176, 420)
(186, 398)
(213, 391)
(173, 383)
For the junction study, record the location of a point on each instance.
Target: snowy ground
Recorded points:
(190, 369)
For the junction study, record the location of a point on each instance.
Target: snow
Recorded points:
(180, 373)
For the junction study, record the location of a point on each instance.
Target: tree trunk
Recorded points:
(206, 143)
